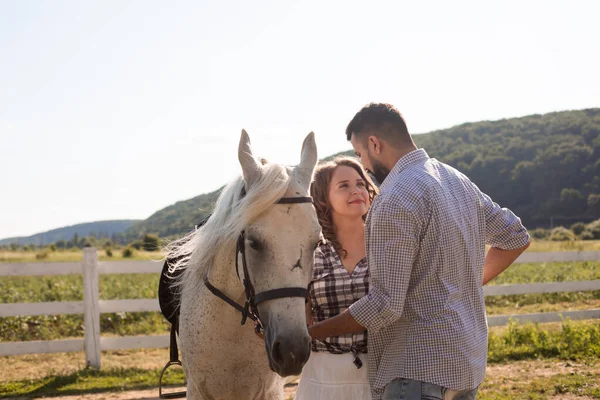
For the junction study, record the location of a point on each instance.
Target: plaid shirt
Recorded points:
(426, 234)
(332, 290)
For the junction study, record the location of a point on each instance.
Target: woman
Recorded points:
(337, 368)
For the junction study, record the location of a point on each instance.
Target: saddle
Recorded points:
(168, 301)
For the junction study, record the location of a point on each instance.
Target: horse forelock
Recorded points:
(236, 208)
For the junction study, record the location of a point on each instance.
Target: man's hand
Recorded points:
(335, 326)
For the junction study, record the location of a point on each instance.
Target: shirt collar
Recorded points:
(403, 163)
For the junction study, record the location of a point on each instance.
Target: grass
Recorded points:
(545, 302)
(565, 341)
(529, 381)
(90, 381)
(70, 288)
(74, 255)
(145, 286)
(46, 255)
(568, 245)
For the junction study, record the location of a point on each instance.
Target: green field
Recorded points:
(144, 286)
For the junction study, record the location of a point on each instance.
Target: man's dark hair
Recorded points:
(382, 120)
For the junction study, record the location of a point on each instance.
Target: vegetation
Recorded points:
(90, 381)
(151, 242)
(570, 341)
(177, 219)
(64, 236)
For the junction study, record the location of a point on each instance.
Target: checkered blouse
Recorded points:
(332, 290)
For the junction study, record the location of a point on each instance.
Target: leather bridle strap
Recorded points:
(295, 200)
(280, 293)
(250, 310)
(224, 297)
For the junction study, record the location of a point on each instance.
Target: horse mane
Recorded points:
(234, 210)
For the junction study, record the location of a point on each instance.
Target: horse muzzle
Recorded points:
(288, 353)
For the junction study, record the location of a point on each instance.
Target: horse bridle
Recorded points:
(250, 310)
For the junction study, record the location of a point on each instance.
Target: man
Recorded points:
(425, 235)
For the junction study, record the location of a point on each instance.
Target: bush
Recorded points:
(127, 252)
(109, 253)
(594, 228)
(150, 242)
(586, 235)
(560, 234)
(539, 233)
(578, 228)
(137, 244)
(575, 341)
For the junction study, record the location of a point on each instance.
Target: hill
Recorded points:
(98, 229)
(176, 219)
(546, 168)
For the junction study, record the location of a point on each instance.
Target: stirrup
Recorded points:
(174, 395)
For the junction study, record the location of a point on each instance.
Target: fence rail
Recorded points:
(91, 307)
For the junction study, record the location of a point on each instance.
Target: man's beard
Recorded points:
(379, 171)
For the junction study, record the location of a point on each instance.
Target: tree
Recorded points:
(593, 204)
(150, 242)
(572, 202)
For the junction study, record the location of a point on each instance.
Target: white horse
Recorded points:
(223, 359)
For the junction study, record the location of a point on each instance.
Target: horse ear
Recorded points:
(308, 160)
(250, 166)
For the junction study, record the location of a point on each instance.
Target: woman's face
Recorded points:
(348, 193)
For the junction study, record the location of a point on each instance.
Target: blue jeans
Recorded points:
(407, 389)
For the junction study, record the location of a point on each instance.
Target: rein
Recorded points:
(248, 310)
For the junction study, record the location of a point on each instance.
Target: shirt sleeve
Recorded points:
(392, 247)
(503, 229)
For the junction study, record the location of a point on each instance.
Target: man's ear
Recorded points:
(374, 144)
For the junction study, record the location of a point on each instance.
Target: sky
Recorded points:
(116, 109)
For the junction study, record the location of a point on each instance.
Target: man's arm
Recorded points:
(505, 234)
(335, 326)
(392, 248)
(497, 260)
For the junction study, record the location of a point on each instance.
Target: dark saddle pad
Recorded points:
(167, 293)
(168, 297)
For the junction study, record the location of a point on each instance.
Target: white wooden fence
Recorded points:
(91, 306)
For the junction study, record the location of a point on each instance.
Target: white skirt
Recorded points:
(328, 376)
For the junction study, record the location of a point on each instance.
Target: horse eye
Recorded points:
(255, 245)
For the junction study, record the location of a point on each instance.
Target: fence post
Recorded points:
(91, 308)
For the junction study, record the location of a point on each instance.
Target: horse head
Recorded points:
(279, 246)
